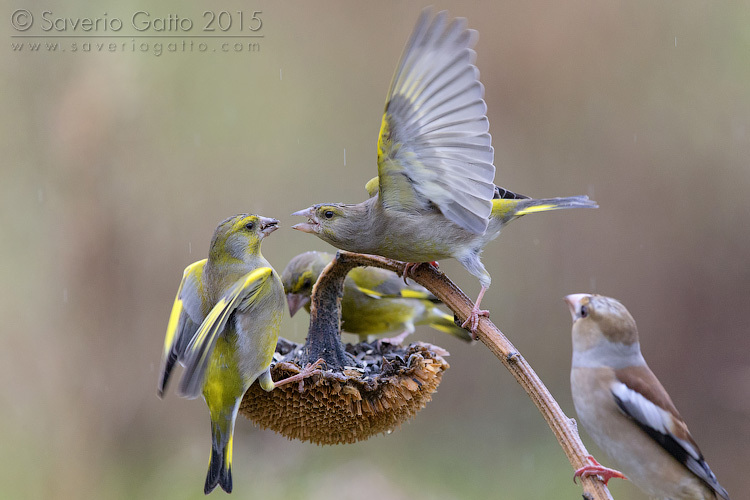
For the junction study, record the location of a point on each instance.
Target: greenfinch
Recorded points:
(626, 410)
(223, 329)
(375, 301)
(434, 197)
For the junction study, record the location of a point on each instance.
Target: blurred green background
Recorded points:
(117, 166)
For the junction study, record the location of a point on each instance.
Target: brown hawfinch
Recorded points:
(625, 409)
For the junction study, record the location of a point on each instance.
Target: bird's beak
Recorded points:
(312, 225)
(295, 301)
(574, 304)
(268, 225)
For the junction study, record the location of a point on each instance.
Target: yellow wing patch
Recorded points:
(416, 294)
(384, 140)
(403, 294)
(370, 293)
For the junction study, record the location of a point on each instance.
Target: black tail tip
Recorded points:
(223, 480)
(208, 488)
(218, 474)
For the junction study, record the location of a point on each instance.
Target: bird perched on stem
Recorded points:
(223, 329)
(434, 196)
(625, 409)
(375, 301)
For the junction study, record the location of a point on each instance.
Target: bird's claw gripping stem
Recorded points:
(301, 376)
(409, 268)
(597, 469)
(472, 322)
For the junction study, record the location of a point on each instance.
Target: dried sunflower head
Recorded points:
(385, 386)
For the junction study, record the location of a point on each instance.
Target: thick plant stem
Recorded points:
(564, 428)
(324, 335)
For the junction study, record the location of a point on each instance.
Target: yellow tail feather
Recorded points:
(445, 323)
(509, 208)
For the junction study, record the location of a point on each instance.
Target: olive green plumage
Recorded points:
(435, 196)
(223, 329)
(375, 302)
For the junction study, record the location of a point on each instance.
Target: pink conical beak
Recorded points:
(296, 301)
(574, 303)
(311, 226)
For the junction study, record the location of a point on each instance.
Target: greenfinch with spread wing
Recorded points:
(223, 329)
(375, 301)
(434, 197)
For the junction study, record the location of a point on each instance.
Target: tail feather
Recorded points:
(512, 208)
(546, 204)
(445, 323)
(220, 463)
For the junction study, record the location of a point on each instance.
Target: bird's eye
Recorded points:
(249, 226)
(328, 214)
(584, 311)
(307, 283)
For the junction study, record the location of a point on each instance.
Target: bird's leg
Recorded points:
(597, 469)
(310, 369)
(473, 319)
(409, 268)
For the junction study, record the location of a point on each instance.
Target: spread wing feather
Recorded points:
(434, 147)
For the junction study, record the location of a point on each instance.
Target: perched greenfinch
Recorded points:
(626, 410)
(434, 197)
(375, 302)
(223, 329)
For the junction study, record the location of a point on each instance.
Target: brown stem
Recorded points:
(324, 335)
(564, 428)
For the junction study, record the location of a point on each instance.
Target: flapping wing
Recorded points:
(198, 351)
(183, 321)
(434, 146)
(667, 429)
